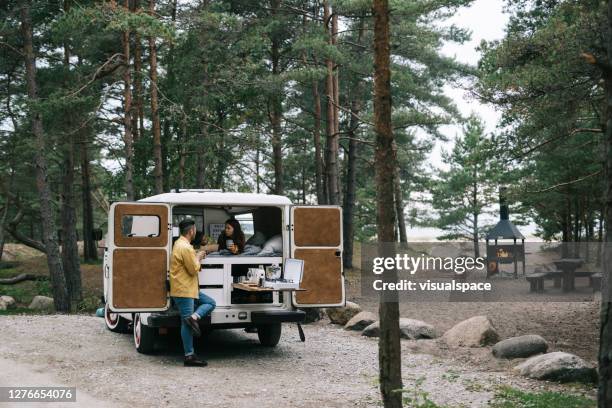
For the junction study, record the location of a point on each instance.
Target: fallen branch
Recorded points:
(21, 278)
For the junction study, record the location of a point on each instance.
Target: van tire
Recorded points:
(269, 334)
(115, 322)
(144, 336)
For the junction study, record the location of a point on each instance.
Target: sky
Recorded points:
(487, 21)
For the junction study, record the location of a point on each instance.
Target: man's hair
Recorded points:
(185, 226)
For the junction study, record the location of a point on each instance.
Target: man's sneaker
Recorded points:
(192, 361)
(193, 325)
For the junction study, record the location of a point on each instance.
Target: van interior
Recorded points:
(262, 227)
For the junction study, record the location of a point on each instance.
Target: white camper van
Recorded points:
(139, 244)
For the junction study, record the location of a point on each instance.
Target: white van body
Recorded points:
(139, 246)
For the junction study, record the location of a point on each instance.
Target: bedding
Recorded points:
(249, 250)
(274, 244)
(258, 239)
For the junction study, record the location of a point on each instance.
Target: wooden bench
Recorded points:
(558, 276)
(536, 281)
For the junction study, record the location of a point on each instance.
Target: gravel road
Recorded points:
(333, 368)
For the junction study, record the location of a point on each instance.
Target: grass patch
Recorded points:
(508, 397)
(417, 397)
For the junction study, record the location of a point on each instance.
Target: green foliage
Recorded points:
(217, 87)
(416, 397)
(462, 193)
(508, 397)
(552, 103)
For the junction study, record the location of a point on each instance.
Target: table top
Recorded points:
(568, 262)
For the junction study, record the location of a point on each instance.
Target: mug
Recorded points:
(229, 243)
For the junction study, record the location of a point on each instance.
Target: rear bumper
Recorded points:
(277, 316)
(257, 318)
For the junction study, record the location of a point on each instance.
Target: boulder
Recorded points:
(360, 321)
(42, 303)
(341, 315)
(372, 330)
(3, 305)
(409, 329)
(520, 347)
(557, 366)
(8, 301)
(473, 332)
(415, 329)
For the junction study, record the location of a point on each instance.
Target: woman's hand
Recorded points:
(233, 249)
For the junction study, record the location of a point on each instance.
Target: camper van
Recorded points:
(139, 246)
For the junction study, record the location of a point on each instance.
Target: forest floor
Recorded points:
(333, 366)
(572, 327)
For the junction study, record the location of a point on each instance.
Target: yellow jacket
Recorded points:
(184, 268)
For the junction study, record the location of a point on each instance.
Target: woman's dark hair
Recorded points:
(237, 237)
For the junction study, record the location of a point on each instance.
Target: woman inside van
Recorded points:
(232, 238)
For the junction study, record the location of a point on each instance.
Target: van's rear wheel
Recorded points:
(114, 322)
(269, 334)
(144, 336)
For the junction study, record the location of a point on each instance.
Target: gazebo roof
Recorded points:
(504, 230)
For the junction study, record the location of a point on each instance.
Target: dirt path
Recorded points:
(333, 368)
(27, 375)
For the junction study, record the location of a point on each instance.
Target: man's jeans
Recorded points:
(205, 304)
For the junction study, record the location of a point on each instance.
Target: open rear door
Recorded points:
(139, 255)
(316, 238)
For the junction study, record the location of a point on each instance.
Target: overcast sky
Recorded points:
(486, 20)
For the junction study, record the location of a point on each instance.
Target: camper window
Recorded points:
(140, 226)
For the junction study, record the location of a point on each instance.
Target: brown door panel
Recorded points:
(139, 278)
(316, 226)
(141, 209)
(322, 276)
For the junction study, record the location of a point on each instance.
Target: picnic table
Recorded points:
(568, 268)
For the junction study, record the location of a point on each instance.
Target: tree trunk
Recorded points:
(222, 153)
(90, 252)
(137, 114)
(157, 155)
(2, 221)
(70, 248)
(399, 206)
(276, 107)
(336, 139)
(61, 297)
(316, 130)
(128, 139)
(389, 351)
(605, 330)
(165, 154)
(201, 162)
(348, 225)
(331, 162)
(475, 230)
(316, 133)
(182, 154)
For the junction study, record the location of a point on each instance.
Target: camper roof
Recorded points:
(218, 198)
